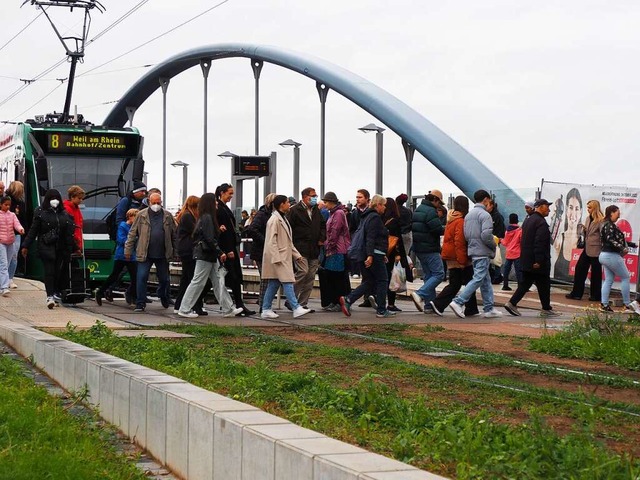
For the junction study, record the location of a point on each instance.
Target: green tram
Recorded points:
(103, 161)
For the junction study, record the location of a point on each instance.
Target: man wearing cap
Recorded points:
(427, 227)
(309, 231)
(478, 231)
(132, 200)
(535, 260)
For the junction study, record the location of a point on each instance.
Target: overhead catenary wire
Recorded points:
(18, 34)
(38, 77)
(155, 38)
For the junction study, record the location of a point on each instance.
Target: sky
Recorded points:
(533, 90)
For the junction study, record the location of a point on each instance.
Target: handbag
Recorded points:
(334, 263)
(581, 244)
(393, 244)
(50, 237)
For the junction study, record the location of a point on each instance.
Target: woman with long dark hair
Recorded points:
(228, 241)
(187, 218)
(53, 228)
(567, 241)
(614, 248)
(334, 276)
(209, 261)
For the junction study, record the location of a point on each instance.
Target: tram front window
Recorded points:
(99, 177)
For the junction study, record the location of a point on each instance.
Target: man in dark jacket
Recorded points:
(374, 271)
(132, 200)
(309, 231)
(535, 260)
(499, 231)
(427, 227)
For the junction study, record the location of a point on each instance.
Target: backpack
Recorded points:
(357, 251)
(112, 225)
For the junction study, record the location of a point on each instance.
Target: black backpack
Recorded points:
(357, 250)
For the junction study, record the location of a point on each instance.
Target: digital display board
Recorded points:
(252, 166)
(88, 143)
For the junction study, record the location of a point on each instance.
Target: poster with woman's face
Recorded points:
(568, 214)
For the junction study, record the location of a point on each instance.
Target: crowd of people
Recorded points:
(295, 242)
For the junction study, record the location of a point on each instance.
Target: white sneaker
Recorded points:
(232, 313)
(50, 303)
(418, 301)
(190, 314)
(493, 313)
(5, 292)
(300, 311)
(176, 310)
(269, 314)
(13, 285)
(635, 307)
(457, 309)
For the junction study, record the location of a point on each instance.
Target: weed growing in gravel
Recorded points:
(595, 337)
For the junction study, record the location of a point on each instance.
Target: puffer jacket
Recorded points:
(427, 228)
(478, 231)
(121, 239)
(511, 241)
(9, 223)
(454, 245)
(45, 221)
(74, 211)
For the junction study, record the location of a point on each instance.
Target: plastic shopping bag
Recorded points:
(398, 282)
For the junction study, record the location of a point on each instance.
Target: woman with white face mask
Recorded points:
(53, 228)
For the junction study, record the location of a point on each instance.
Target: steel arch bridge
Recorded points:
(456, 163)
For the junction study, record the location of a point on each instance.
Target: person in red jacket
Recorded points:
(72, 207)
(454, 253)
(511, 241)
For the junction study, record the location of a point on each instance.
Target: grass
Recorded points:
(40, 439)
(428, 417)
(595, 337)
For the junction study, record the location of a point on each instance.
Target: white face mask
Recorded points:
(54, 203)
(156, 208)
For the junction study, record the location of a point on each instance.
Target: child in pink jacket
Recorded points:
(511, 241)
(9, 224)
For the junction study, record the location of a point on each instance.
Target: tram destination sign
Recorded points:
(89, 143)
(251, 166)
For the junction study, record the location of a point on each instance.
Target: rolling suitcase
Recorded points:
(78, 275)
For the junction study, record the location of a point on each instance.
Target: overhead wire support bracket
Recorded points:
(76, 53)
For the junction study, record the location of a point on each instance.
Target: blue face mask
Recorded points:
(313, 201)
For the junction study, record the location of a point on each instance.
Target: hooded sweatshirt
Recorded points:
(511, 241)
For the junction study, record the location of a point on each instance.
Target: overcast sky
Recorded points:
(534, 90)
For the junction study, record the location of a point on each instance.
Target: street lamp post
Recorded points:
(374, 128)
(296, 164)
(184, 166)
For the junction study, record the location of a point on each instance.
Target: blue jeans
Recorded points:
(5, 256)
(433, 269)
(13, 262)
(482, 279)
(162, 271)
(614, 265)
(375, 279)
(272, 288)
(506, 270)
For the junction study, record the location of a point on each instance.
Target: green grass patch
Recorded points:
(438, 420)
(39, 439)
(595, 337)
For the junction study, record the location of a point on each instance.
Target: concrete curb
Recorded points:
(196, 433)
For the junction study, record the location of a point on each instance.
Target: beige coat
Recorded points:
(279, 252)
(592, 242)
